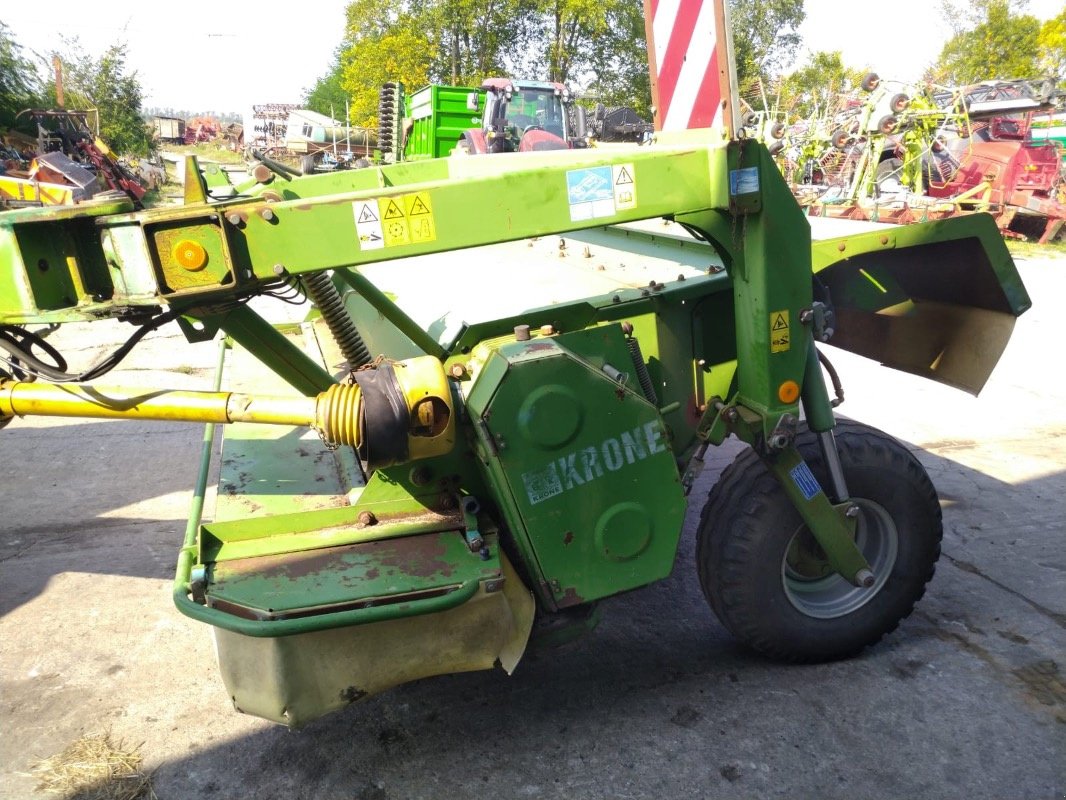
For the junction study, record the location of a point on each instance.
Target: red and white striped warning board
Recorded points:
(690, 55)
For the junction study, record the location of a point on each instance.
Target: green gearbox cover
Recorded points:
(594, 498)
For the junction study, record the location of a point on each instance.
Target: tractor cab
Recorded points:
(525, 116)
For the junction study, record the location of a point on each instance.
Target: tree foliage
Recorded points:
(477, 38)
(811, 89)
(619, 62)
(1004, 45)
(765, 35)
(596, 46)
(328, 96)
(106, 84)
(1052, 41)
(19, 84)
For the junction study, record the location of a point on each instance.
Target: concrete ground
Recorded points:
(965, 700)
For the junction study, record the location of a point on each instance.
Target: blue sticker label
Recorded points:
(744, 181)
(589, 185)
(591, 193)
(805, 481)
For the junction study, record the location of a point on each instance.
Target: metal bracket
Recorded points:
(821, 319)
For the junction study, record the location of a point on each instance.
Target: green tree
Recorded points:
(1052, 41)
(105, 84)
(1004, 46)
(477, 38)
(328, 96)
(19, 84)
(765, 36)
(384, 42)
(965, 15)
(571, 32)
(619, 62)
(813, 87)
(595, 45)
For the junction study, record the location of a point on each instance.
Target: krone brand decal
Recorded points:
(589, 463)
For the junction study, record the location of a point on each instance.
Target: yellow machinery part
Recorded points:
(336, 413)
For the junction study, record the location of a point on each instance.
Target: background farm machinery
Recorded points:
(503, 115)
(70, 164)
(901, 152)
(304, 139)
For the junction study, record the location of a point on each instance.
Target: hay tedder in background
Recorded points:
(896, 152)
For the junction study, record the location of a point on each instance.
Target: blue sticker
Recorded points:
(590, 193)
(744, 181)
(804, 479)
(589, 185)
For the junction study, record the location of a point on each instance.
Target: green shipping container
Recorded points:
(439, 115)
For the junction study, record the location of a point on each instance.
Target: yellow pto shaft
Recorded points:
(419, 422)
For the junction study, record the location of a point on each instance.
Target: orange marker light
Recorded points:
(190, 255)
(788, 392)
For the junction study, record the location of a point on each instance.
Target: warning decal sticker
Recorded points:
(625, 187)
(392, 221)
(780, 332)
(368, 225)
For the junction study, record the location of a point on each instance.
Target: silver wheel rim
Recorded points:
(815, 590)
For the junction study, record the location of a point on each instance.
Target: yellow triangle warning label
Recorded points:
(419, 207)
(367, 214)
(623, 177)
(393, 211)
(780, 323)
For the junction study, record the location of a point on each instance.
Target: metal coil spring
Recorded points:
(643, 376)
(325, 296)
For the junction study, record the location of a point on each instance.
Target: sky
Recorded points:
(225, 57)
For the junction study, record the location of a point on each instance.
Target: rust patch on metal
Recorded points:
(419, 556)
(569, 598)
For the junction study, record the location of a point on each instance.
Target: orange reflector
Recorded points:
(788, 392)
(190, 255)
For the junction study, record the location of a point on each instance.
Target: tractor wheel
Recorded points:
(870, 81)
(840, 139)
(769, 581)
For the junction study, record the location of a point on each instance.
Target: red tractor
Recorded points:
(524, 116)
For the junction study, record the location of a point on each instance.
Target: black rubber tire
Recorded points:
(899, 102)
(748, 524)
(870, 81)
(887, 124)
(840, 139)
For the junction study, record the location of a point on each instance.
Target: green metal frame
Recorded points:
(106, 261)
